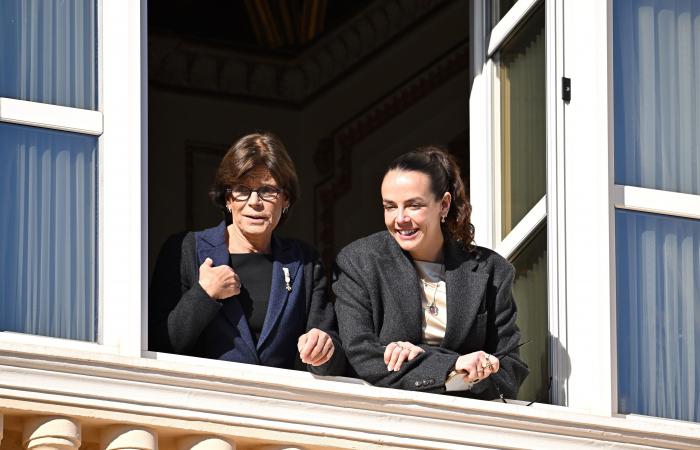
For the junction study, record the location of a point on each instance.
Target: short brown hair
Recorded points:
(254, 150)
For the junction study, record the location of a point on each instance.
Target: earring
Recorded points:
(443, 219)
(285, 209)
(228, 208)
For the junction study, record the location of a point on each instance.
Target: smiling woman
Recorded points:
(419, 306)
(236, 291)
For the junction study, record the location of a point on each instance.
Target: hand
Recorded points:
(315, 347)
(398, 352)
(477, 365)
(219, 282)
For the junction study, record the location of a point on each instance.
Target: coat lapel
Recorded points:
(284, 257)
(404, 295)
(211, 243)
(465, 291)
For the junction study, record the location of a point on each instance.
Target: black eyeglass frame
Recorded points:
(272, 193)
(503, 354)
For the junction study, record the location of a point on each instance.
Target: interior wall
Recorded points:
(189, 129)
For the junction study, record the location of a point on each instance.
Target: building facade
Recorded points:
(584, 171)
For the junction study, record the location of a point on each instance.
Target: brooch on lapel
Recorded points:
(287, 279)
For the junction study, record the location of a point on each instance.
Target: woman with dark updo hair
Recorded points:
(419, 306)
(238, 292)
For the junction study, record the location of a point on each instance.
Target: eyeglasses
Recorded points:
(242, 193)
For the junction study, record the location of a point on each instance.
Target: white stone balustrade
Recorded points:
(124, 437)
(279, 447)
(204, 443)
(51, 433)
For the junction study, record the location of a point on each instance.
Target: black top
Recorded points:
(255, 272)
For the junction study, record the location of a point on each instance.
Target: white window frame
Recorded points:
(636, 199)
(508, 246)
(587, 247)
(120, 123)
(486, 165)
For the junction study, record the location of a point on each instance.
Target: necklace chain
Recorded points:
(432, 308)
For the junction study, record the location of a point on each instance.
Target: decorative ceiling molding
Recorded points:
(176, 63)
(333, 156)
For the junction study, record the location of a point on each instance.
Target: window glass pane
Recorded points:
(47, 49)
(48, 232)
(500, 8)
(658, 315)
(522, 79)
(657, 94)
(530, 292)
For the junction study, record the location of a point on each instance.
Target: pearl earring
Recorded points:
(443, 219)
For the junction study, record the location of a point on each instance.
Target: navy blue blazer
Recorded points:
(184, 319)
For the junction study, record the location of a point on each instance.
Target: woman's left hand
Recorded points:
(477, 365)
(398, 352)
(315, 347)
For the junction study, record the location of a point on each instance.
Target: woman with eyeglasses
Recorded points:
(245, 294)
(419, 306)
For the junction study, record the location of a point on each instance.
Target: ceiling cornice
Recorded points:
(203, 68)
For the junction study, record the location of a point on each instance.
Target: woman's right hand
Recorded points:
(219, 282)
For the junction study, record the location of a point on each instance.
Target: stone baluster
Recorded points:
(204, 443)
(51, 433)
(125, 437)
(280, 447)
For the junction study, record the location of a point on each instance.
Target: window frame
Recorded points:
(120, 123)
(507, 27)
(549, 209)
(635, 199)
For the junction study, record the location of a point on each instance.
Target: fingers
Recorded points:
(219, 282)
(317, 350)
(398, 352)
(325, 354)
(315, 347)
(477, 365)
(399, 357)
(231, 284)
(389, 351)
(309, 345)
(415, 351)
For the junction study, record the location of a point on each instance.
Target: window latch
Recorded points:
(566, 89)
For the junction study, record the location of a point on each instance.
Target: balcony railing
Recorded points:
(56, 398)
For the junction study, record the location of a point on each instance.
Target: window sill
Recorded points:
(182, 394)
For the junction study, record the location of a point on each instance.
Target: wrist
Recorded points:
(208, 290)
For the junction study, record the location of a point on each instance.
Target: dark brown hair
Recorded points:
(443, 171)
(254, 150)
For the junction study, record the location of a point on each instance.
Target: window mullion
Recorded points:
(55, 117)
(657, 201)
(509, 23)
(122, 164)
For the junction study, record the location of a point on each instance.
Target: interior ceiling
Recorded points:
(280, 27)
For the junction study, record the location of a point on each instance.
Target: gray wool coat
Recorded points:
(378, 301)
